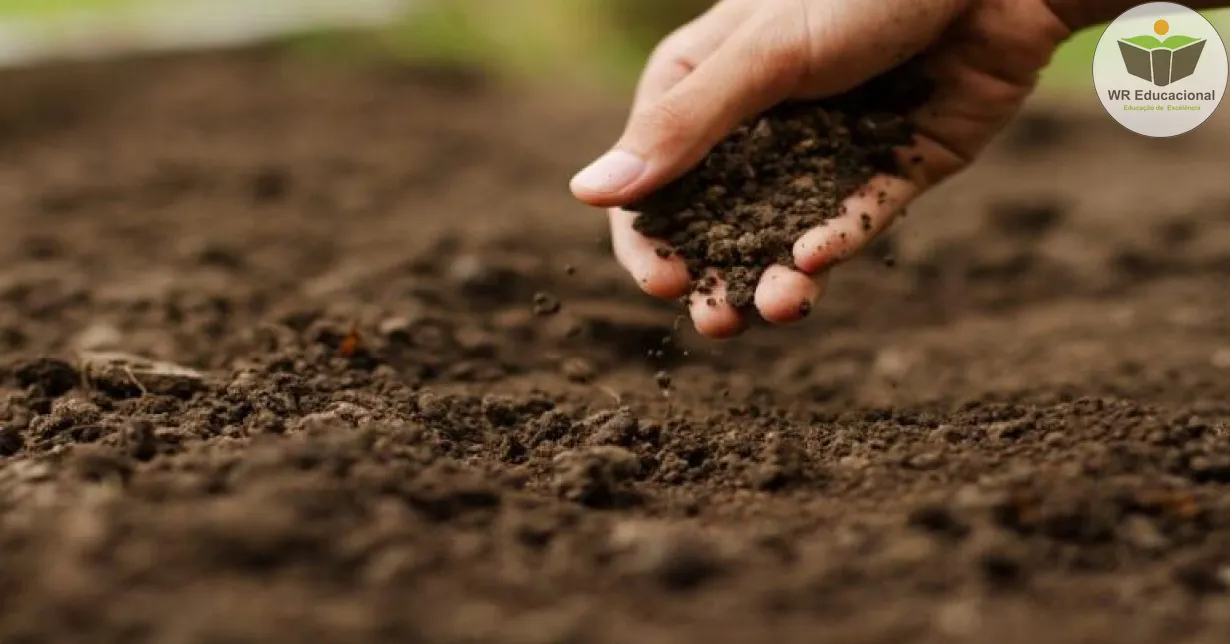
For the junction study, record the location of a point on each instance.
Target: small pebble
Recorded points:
(467, 270)
(545, 304)
(578, 370)
(99, 336)
(394, 325)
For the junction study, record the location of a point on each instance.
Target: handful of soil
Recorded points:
(742, 209)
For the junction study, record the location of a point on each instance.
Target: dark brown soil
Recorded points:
(778, 176)
(272, 372)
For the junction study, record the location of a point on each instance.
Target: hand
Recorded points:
(744, 56)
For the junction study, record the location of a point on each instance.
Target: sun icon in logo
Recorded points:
(1161, 27)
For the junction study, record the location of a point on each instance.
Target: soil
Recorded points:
(296, 351)
(778, 176)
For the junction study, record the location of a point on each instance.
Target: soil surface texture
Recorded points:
(298, 351)
(776, 177)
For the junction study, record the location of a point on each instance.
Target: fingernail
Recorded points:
(610, 173)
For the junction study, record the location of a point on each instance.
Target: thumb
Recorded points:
(753, 71)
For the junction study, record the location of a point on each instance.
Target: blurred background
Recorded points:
(600, 42)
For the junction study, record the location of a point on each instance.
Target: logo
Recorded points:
(1160, 69)
(1161, 62)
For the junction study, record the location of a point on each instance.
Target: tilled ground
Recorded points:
(373, 427)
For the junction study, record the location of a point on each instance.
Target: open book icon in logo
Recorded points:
(1158, 61)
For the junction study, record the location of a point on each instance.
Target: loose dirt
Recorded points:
(272, 371)
(778, 176)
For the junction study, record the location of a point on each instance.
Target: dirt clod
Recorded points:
(618, 427)
(578, 370)
(597, 476)
(120, 373)
(51, 376)
(11, 440)
(546, 304)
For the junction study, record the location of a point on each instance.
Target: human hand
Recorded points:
(744, 56)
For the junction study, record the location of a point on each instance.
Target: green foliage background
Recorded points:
(607, 40)
(45, 8)
(602, 42)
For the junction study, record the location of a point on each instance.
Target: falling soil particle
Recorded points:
(790, 170)
(663, 379)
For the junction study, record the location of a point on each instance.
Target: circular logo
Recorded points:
(1160, 69)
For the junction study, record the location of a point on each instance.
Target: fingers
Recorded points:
(865, 214)
(782, 296)
(665, 278)
(785, 295)
(668, 278)
(841, 56)
(967, 109)
(685, 49)
(753, 70)
(712, 314)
